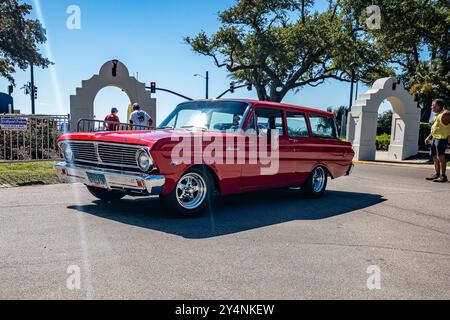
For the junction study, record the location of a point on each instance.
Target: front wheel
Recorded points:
(192, 193)
(316, 184)
(106, 195)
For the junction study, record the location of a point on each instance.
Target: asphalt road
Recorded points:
(269, 245)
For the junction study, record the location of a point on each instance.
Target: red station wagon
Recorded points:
(208, 146)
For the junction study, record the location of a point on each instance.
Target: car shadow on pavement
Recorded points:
(232, 214)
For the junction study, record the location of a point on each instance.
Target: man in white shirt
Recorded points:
(140, 118)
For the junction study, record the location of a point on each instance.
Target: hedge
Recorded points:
(383, 141)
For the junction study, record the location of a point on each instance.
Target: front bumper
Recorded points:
(115, 180)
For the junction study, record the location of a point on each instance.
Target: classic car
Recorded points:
(210, 147)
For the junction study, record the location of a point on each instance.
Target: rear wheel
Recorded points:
(316, 184)
(106, 195)
(192, 193)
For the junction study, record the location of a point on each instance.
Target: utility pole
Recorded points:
(33, 97)
(207, 85)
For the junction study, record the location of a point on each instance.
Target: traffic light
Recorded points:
(249, 87)
(35, 93)
(10, 89)
(232, 87)
(153, 87)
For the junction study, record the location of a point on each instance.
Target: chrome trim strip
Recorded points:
(152, 184)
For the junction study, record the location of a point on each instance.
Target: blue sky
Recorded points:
(146, 35)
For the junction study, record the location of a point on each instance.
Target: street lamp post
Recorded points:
(207, 82)
(344, 118)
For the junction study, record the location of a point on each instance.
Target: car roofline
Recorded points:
(270, 103)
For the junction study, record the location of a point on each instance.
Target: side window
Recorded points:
(322, 127)
(225, 121)
(269, 119)
(296, 123)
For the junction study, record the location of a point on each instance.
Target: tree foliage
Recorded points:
(283, 45)
(385, 123)
(19, 39)
(415, 35)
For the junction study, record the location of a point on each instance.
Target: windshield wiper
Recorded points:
(194, 127)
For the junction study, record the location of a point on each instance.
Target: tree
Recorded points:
(284, 45)
(19, 39)
(385, 123)
(415, 35)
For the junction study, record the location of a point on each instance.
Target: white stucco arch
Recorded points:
(362, 124)
(112, 74)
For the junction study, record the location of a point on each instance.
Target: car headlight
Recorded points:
(67, 152)
(144, 160)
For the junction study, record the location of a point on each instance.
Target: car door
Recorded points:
(267, 165)
(299, 137)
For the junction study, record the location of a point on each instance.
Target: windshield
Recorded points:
(208, 115)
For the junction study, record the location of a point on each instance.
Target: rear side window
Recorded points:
(296, 123)
(323, 127)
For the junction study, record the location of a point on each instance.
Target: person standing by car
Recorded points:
(112, 120)
(438, 140)
(140, 118)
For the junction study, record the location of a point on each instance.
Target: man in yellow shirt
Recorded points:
(438, 139)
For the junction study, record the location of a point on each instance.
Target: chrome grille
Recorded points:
(107, 154)
(118, 154)
(84, 152)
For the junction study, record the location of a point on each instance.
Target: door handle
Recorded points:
(233, 149)
(293, 140)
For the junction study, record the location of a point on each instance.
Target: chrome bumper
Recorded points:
(152, 184)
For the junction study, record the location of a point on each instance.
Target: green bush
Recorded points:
(383, 142)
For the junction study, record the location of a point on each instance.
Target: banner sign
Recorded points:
(14, 124)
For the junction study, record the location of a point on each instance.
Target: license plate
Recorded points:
(97, 180)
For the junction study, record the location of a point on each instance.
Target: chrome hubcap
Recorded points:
(191, 191)
(318, 180)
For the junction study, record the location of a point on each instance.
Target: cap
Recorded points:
(114, 110)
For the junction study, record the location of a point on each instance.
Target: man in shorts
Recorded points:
(438, 140)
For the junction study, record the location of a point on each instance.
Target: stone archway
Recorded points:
(362, 125)
(112, 74)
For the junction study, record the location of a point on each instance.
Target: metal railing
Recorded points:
(89, 125)
(31, 137)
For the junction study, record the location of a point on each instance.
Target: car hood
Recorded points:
(147, 138)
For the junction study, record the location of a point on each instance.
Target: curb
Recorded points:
(390, 164)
